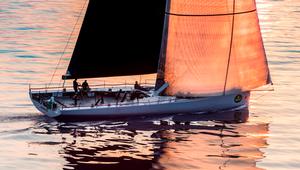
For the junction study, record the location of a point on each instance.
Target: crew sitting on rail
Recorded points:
(138, 87)
(85, 86)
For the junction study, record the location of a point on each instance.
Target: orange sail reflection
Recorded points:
(226, 147)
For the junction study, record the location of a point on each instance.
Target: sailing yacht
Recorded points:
(208, 55)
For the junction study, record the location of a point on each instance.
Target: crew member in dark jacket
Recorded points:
(75, 86)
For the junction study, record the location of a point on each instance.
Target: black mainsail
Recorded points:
(118, 38)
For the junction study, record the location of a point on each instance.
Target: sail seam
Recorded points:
(207, 15)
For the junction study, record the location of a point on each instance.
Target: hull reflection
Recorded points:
(209, 141)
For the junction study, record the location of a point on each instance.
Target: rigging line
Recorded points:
(264, 90)
(269, 87)
(230, 50)
(70, 36)
(259, 97)
(210, 15)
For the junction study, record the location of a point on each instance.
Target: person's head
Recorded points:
(75, 79)
(136, 82)
(84, 80)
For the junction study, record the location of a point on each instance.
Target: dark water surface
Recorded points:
(33, 36)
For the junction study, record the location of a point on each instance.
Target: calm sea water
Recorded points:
(33, 36)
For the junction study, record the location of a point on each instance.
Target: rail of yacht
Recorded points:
(41, 94)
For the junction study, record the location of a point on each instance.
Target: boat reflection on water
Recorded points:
(227, 143)
(194, 141)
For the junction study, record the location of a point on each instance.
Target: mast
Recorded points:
(162, 56)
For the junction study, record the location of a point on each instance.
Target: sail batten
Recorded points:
(205, 15)
(213, 48)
